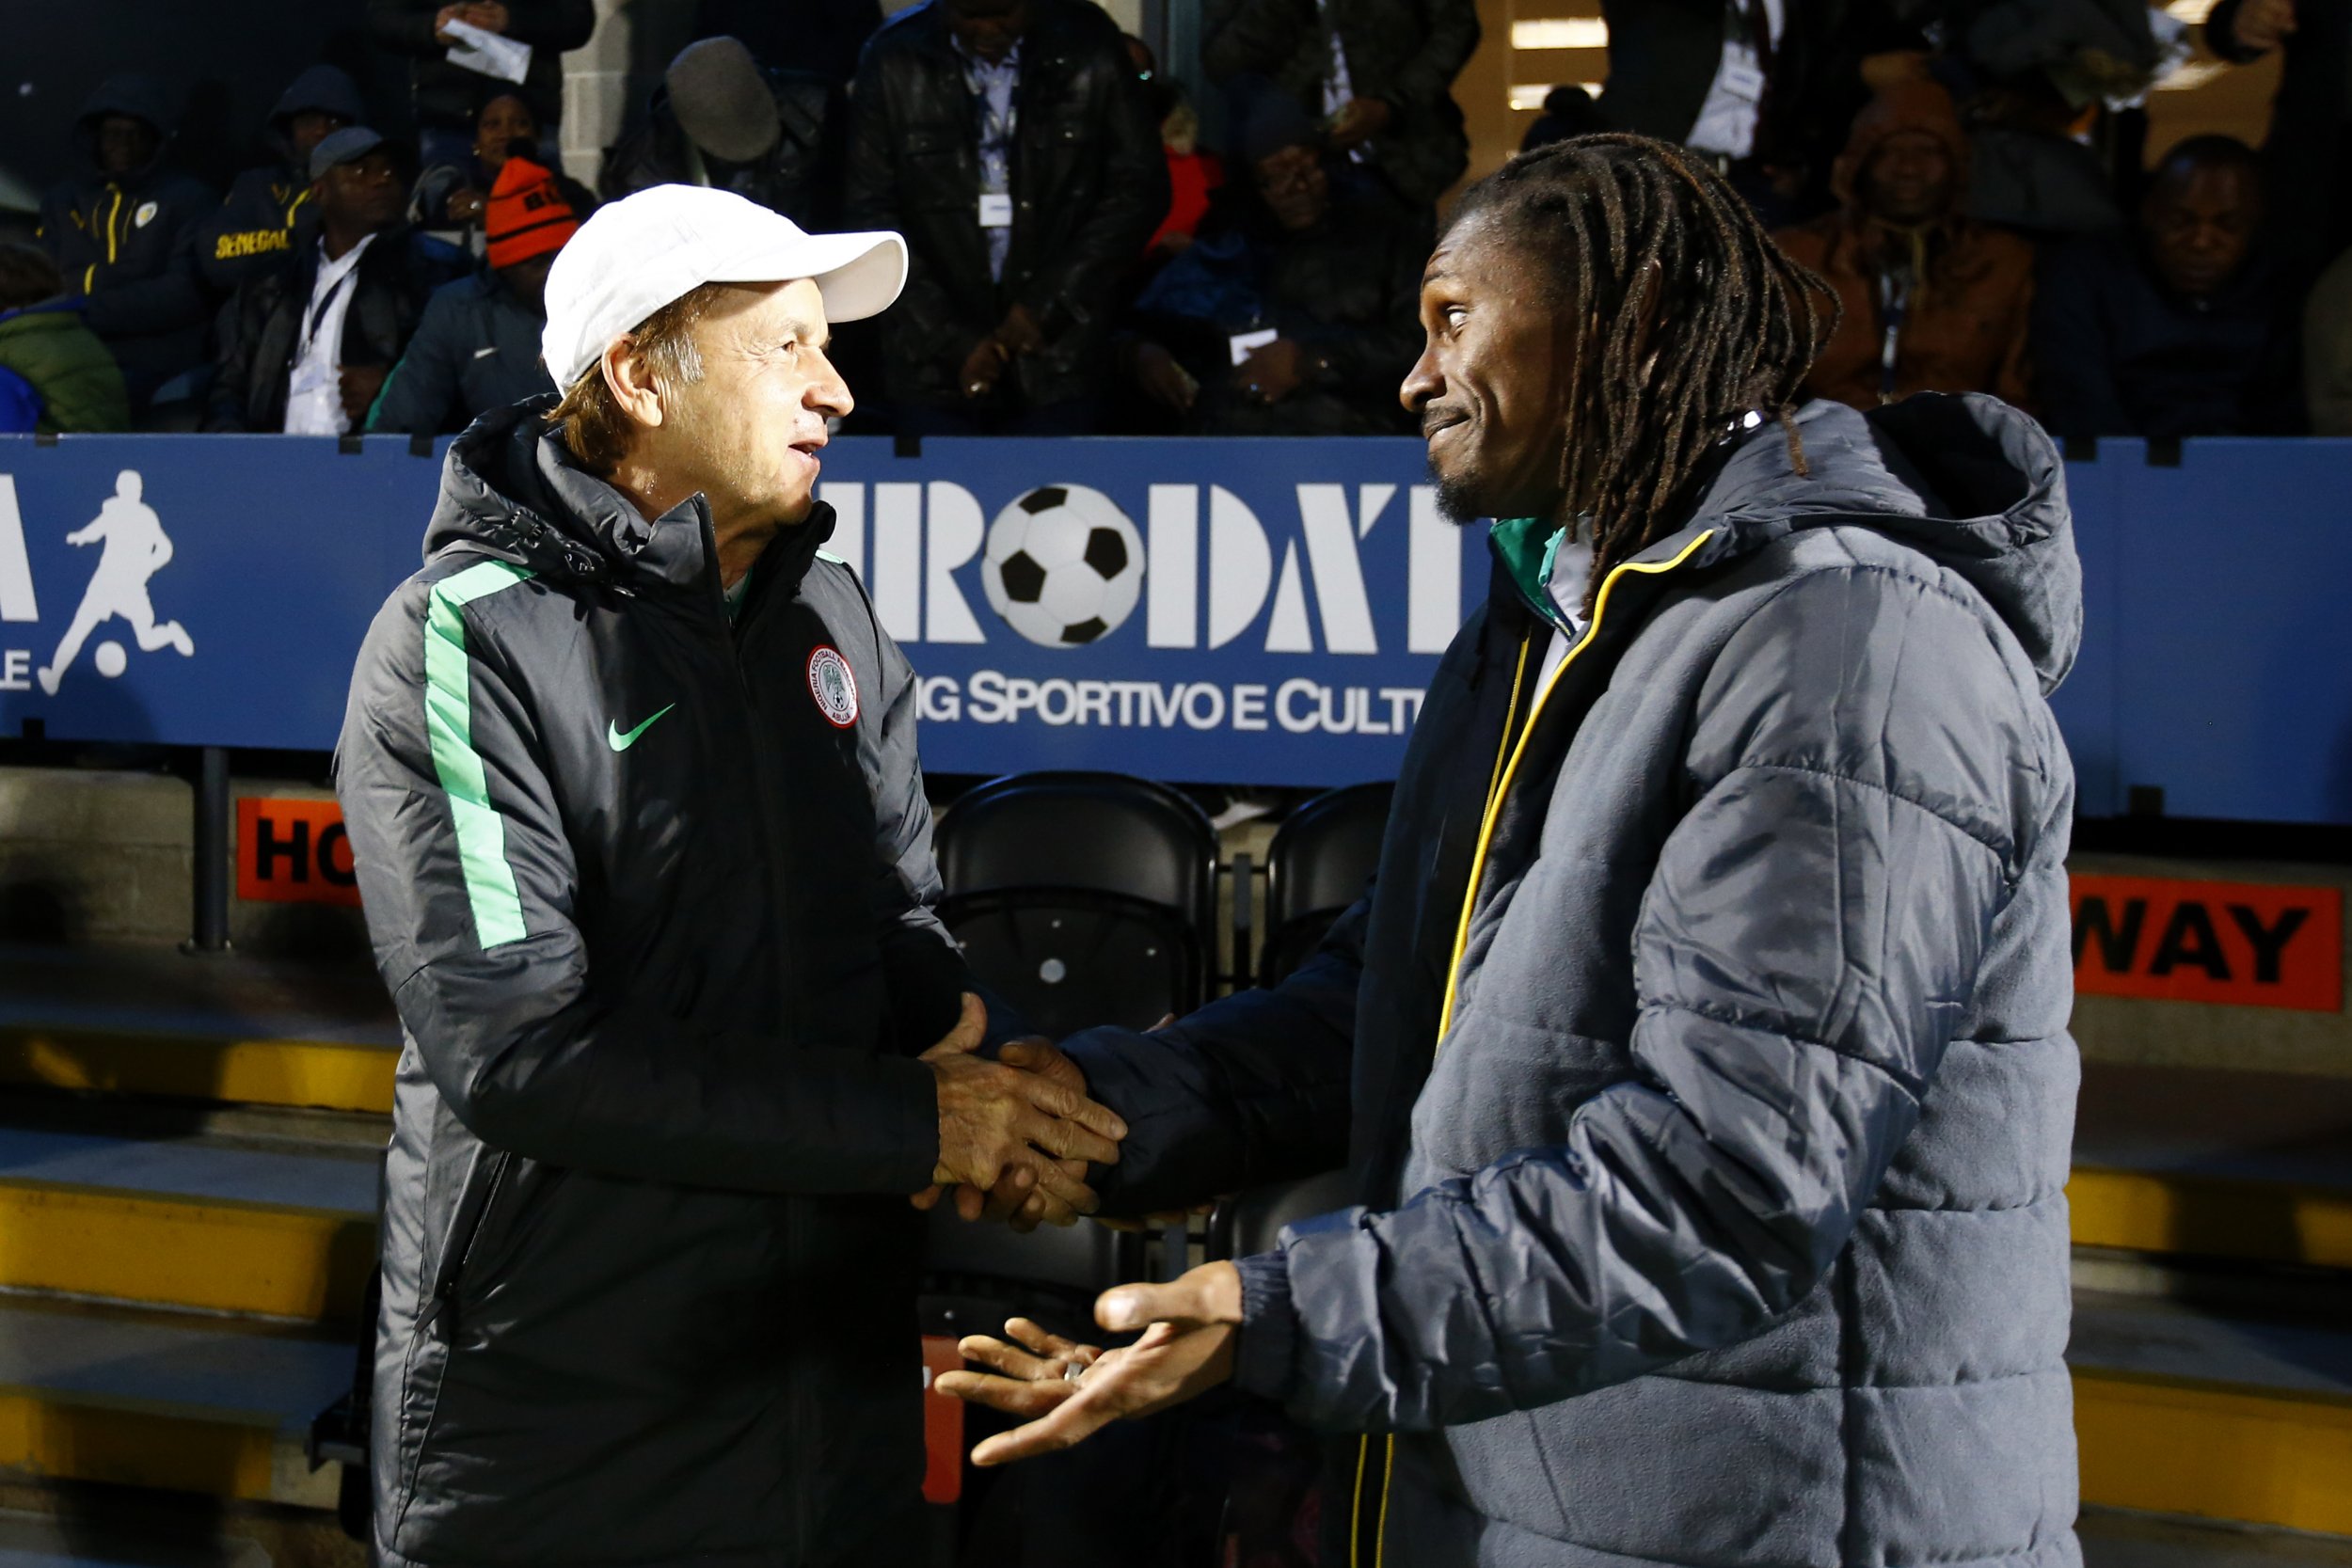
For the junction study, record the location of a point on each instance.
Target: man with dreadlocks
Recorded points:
(1699, 1058)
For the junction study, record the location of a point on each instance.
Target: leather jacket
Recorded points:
(1089, 184)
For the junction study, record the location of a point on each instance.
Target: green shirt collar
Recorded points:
(1528, 547)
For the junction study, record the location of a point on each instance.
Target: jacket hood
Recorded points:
(1923, 107)
(322, 87)
(511, 489)
(140, 97)
(1967, 481)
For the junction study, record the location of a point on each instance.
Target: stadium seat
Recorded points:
(1082, 898)
(1251, 1223)
(1318, 864)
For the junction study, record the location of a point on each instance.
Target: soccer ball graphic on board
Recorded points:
(1063, 565)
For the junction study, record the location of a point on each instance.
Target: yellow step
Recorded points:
(130, 1400)
(188, 1224)
(2211, 1216)
(2181, 1412)
(335, 1075)
(2246, 1165)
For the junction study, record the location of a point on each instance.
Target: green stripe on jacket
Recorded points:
(498, 909)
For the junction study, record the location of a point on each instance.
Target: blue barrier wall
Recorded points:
(1239, 611)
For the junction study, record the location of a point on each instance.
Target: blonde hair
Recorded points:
(596, 428)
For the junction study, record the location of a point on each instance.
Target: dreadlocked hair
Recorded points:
(1734, 330)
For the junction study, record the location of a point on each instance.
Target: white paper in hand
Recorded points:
(1243, 344)
(488, 53)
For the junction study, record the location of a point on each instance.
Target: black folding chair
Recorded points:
(1317, 865)
(1082, 898)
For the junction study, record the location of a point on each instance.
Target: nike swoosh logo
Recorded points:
(621, 740)
(485, 353)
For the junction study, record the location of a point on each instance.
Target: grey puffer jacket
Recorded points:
(1728, 1226)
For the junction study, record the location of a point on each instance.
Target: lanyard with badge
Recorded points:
(996, 131)
(311, 376)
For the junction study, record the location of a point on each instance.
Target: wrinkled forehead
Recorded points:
(769, 313)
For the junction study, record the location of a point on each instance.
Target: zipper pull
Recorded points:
(440, 1315)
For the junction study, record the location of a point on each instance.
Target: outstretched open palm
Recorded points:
(1186, 1348)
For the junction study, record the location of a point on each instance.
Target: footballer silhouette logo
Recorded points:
(1064, 566)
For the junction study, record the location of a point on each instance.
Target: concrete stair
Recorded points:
(189, 1151)
(199, 1223)
(2212, 1352)
(223, 1029)
(2254, 1166)
(2184, 1410)
(177, 1403)
(29, 1539)
(187, 1181)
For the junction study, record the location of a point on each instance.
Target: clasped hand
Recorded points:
(1018, 1132)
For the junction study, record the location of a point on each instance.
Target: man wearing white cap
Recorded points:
(631, 780)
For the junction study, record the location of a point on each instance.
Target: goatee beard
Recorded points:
(1459, 500)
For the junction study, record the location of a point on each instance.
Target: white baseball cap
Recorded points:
(636, 255)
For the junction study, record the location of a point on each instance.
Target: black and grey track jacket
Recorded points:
(650, 891)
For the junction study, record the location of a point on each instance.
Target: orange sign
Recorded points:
(2251, 945)
(293, 852)
(943, 1424)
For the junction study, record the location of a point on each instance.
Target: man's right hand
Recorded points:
(993, 1117)
(2262, 26)
(442, 18)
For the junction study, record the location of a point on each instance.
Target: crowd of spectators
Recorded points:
(1965, 174)
(1968, 176)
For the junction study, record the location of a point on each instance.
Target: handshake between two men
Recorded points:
(1015, 1137)
(1015, 1133)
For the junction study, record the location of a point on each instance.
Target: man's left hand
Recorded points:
(1189, 1329)
(488, 15)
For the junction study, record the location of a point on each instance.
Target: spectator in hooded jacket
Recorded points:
(721, 119)
(124, 235)
(1294, 312)
(1931, 302)
(306, 349)
(447, 94)
(2184, 329)
(1005, 326)
(478, 346)
(1378, 73)
(256, 229)
(54, 375)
